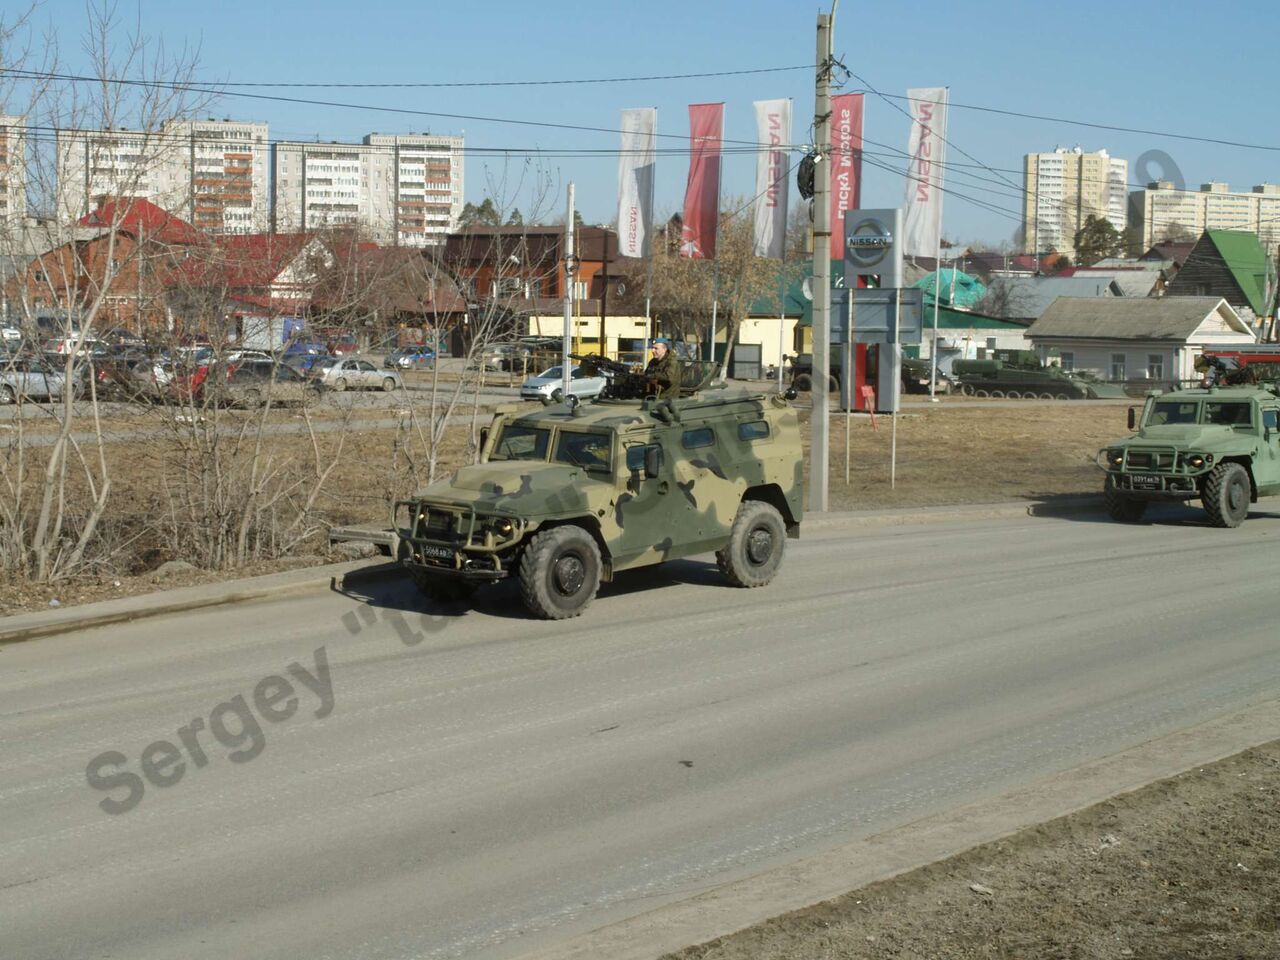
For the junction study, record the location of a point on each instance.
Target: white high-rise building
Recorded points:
(1063, 189)
(220, 168)
(402, 189)
(1164, 212)
(211, 173)
(13, 169)
(93, 164)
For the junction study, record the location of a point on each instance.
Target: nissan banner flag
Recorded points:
(773, 125)
(922, 223)
(702, 195)
(846, 164)
(635, 181)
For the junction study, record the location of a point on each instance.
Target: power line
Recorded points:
(517, 83)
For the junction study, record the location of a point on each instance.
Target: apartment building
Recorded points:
(13, 169)
(1164, 211)
(95, 164)
(212, 173)
(415, 186)
(403, 189)
(220, 168)
(1063, 188)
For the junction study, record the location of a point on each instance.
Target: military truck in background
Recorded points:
(1019, 374)
(566, 497)
(1220, 444)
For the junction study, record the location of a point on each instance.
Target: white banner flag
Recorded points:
(922, 222)
(773, 123)
(635, 181)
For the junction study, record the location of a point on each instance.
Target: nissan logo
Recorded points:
(868, 242)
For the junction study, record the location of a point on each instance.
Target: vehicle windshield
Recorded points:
(555, 373)
(1232, 413)
(590, 450)
(521, 443)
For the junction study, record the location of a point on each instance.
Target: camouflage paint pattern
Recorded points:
(716, 449)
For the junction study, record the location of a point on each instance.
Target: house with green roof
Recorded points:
(1230, 264)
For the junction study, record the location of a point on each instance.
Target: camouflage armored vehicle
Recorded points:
(569, 495)
(1220, 444)
(1027, 380)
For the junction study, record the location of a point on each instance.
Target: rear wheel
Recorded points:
(560, 572)
(756, 543)
(1226, 495)
(803, 382)
(1120, 506)
(7, 395)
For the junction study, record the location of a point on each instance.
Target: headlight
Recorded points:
(1195, 461)
(503, 527)
(1115, 457)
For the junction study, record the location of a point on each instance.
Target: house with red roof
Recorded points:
(117, 275)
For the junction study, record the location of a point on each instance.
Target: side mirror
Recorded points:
(484, 438)
(652, 461)
(1133, 418)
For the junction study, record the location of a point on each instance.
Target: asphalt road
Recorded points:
(481, 784)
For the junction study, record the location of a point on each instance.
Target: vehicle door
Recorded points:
(347, 370)
(1266, 469)
(368, 374)
(644, 512)
(708, 493)
(581, 385)
(40, 382)
(14, 374)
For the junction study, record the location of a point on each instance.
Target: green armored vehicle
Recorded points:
(1016, 375)
(1220, 444)
(569, 495)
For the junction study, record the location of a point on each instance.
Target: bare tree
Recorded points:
(82, 271)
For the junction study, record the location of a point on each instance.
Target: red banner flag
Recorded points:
(702, 195)
(846, 164)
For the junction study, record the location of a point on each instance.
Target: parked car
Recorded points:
(410, 358)
(250, 385)
(550, 385)
(10, 334)
(357, 374)
(33, 378)
(301, 354)
(341, 346)
(151, 378)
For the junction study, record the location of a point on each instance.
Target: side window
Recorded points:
(754, 430)
(1270, 419)
(366, 366)
(636, 453)
(700, 437)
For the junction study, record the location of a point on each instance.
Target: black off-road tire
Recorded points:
(1226, 495)
(442, 589)
(757, 541)
(560, 572)
(557, 395)
(803, 383)
(1120, 506)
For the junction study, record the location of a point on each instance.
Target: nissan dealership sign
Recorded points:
(872, 247)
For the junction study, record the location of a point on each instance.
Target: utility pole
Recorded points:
(569, 277)
(820, 425)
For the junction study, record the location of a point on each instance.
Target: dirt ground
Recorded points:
(1185, 868)
(955, 452)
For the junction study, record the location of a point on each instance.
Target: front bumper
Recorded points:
(454, 541)
(1154, 473)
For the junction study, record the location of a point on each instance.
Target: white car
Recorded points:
(550, 385)
(10, 333)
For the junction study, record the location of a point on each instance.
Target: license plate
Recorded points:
(1145, 483)
(439, 553)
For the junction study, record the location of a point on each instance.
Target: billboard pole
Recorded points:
(820, 423)
(568, 295)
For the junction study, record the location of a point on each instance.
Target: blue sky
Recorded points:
(1153, 66)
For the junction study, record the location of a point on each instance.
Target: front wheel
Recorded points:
(803, 383)
(388, 384)
(560, 572)
(756, 543)
(1226, 495)
(340, 384)
(7, 395)
(1120, 507)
